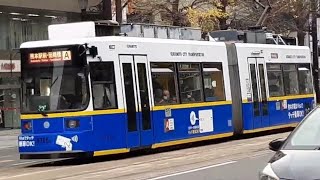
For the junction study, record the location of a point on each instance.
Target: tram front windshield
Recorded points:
(53, 85)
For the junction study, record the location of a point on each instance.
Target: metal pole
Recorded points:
(11, 56)
(119, 11)
(83, 14)
(107, 10)
(315, 56)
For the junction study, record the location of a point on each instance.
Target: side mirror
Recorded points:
(93, 50)
(276, 144)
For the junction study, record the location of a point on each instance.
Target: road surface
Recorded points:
(233, 159)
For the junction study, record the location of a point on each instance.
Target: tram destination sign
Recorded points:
(47, 57)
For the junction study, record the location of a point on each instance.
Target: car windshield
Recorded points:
(307, 135)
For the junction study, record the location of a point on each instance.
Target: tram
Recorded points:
(108, 95)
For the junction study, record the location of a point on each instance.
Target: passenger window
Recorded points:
(103, 85)
(164, 83)
(190, 82)
(305, 81)
(290, 79)
(213, 82)
(275, 80)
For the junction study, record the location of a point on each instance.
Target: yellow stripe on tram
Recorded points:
(193, 105)
(109, 152)
(184, 141)
(291, 97)
(270, 128)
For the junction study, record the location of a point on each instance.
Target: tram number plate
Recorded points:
(43, 140)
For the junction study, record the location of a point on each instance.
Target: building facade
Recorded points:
(21, 21)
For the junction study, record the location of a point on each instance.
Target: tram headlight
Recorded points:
(72, 123)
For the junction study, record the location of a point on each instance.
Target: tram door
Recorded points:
(259, 94)
(135, 81)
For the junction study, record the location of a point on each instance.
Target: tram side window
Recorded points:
(275, 80)
(190, 82)
(103, 85)
(290, 79)
(164, 83)
(213, 82)
(305, 81)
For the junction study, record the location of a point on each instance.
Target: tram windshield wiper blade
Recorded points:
(54, 81)
(43, 113)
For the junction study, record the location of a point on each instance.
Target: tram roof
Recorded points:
(59, 42)
(45, 43)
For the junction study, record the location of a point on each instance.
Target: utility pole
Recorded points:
(107, 10)
(315, 67)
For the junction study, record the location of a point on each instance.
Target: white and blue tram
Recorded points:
(108, 95)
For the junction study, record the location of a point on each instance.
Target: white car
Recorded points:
(298, 156)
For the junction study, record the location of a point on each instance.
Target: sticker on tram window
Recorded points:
(47, 57)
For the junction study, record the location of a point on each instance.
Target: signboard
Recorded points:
(10, 66)
(47, 57)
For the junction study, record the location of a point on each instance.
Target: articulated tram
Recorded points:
(107, 95)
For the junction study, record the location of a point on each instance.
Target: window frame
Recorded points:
(280, 70)
(201, 82)
(289, 71)
(104, 83)
(175, 79)
(311, 78)
(219, 64)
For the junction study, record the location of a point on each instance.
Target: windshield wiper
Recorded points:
(43, 113)
(41, 110)
(54, 82)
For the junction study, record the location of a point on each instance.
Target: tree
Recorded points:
(290, 16)
(285, 17)
(208, 20)
(213, 17)
(182, 12)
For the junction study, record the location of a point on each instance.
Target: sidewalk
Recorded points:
(9, 138)
(9, 132)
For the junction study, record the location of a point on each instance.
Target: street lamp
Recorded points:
(83, 4)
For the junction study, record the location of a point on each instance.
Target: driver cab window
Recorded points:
(45, 87)
(103, 85)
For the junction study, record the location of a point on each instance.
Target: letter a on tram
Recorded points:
(66, 55)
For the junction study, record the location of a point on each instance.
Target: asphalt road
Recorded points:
(247, 168)
(234, 159)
